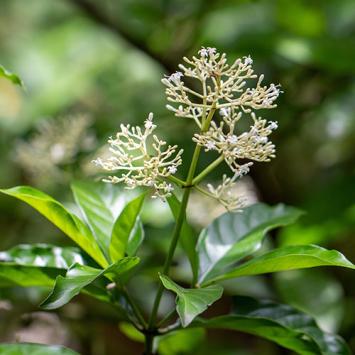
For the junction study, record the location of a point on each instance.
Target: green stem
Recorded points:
(177, 230)
(207, 170)
(176, 180)
(136, 310)
(167, 318)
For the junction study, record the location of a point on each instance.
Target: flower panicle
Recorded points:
(142, 159)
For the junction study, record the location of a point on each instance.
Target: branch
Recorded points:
(97, 15)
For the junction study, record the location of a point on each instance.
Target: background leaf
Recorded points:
(54, 211)
(279, 323)
(233, 236)
(192, 302)
(35, 349)
(289, 258)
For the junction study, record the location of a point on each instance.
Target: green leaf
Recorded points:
(98, 203)
(80, 276)
(180, 342)
(124, 228)
(279, 323)
(10, 76)
(30, 265)
(289, 258)
(35, 349)
(234, 236)
(12, 274)
(136, 238)
(43, 255)
(187, 236)
(192, 302)
(55, 212)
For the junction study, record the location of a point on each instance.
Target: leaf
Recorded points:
(187, 236)
(234, 236)
(279, 323)
(12, 274)
(289, 258)
(192, 302)
(43, 255)
(35, 349)
(15, 79)
(124, 227)
(136, 238)
(80, 276)
(99, 204)
(29, 265)
(180, 342)
(55, 212)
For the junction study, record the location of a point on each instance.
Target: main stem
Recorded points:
(176, 234)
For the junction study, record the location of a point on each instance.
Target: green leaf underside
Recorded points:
(55, 212)
(192, 302)
(15, 79)
(80, 276)
(279, 323)
(124, 228)
(234, 236)
(34, 349)
(289, 258)
(187, 236)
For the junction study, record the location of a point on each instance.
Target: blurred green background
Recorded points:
(89, 66)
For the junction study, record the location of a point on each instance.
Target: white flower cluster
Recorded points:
(225, 194)
(225, 88)
(140, 161)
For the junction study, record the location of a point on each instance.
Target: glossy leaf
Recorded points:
(136, 238)
(43, 255)
(289, 258)
(279, 323)
(80, 276)
(192, 302)
(15, 79)
(187, 236)
(234, 236)
(12, 274)
(124, 228)
(55, 212)
(99, 204)
(29, 265)
(35, 349)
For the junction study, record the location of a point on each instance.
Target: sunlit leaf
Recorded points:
(192, 302)
(187, 236)
(35, 349)
(289, 258)
(55, 212)
(233, 236)
(80, 276)
(279, 323)
(124, 228)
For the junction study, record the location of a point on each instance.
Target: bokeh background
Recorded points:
(90, 65)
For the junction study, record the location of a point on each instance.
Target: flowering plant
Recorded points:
(222, 96)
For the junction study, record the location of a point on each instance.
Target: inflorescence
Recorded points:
(223, 88)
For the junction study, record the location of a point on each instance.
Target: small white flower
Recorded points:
(210, 145)
(248, 60)
(203, 52)
(172, 169)
(233, 139)
(225, 111)
(148, 123)
(273, 125)
(175, 77)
